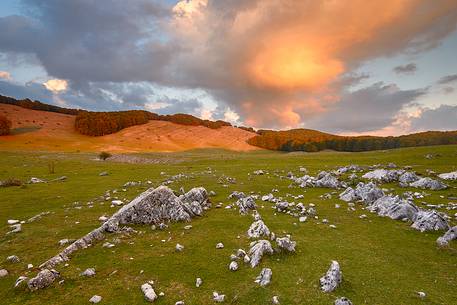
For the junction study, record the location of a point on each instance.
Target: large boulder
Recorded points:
(408, 177)
(154, 206)
(257, 250)
(384, 175)
(430, 221)
(429, 183)
(366, 192)
(444, 240)
(286, 243)
(332, 279)
(264, 277)
(395, 208)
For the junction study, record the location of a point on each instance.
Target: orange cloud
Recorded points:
(285, 56)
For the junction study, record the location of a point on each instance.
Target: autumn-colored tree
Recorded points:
(5, 125)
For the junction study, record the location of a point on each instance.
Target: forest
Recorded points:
(313, 141)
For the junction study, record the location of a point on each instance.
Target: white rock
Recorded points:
(218, 297)
(258, 229)
(117, 202)
(219, 246)
(13, 259)
(331, 280)
(421, 294)
(233, 266)
(198, 282)
(3, 273)
(275, 300)
(343, 301)
(258, 249)
(264, 277)
(179, 247)
(302, 219)
(88, 272)
(12, 221)
(149, 293)
(95, 299)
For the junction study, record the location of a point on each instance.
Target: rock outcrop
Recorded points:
(257, 251)
(449, 176)
(366, 192)
(258, 229)
(332, 279)
(429, 183)
(430, 221)
(264, 277)
(444, 240)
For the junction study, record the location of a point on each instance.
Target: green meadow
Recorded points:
(383, 261)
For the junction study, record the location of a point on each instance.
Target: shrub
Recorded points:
(104, 155)
(5, 125)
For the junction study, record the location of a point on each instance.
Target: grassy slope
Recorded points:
(383, 261)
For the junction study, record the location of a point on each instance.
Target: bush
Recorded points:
(104, 155)
(10, 182)
(5, 125)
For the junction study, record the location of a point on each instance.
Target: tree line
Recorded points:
(313, 141)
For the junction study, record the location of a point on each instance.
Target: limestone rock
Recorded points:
(444, 240)
(430, 221)
(449, 176)
(429, 183)
(3, 273)
(88, 272)
(408, 177)
(258, 229)
(233, 266)
(43, 279)
(366, 192)
(198, 282)
(286, 243)
(13, 259)
(395, 208)
(343, 301)
(219, 298)
(264, 277)
(246, 204)
(384, 175)
(257, 250)
(332, 279)
(95, 299)
(149, 293)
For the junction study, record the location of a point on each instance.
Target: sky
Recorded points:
(348, 67)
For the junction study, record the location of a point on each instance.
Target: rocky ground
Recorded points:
(234, 228)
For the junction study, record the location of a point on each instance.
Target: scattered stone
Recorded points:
(43, 279)
(449, 176)
(421, 294)
(102, 174)
(384, 175)
(218, 297)
(16, 228)
(275, 300)
(302, 219)
(368, 193)
(219, 246)
(95, 299)
(233, 266)
(444, 240)
(257, 250)
(258, 229)
(265, 277)
(286, 243)
(12, 221)
(430, 221)
(88, 272)
(198, 282)
(29, 266)
(149, 293)
(34, 180)
(3, 273)
(395, 208)
(408, 177)
(179, 247)
(13, 259)
(22, 280)
(332, 279)
(343, 301)
(429, 183)
(179, 303)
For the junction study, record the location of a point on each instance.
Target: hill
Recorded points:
(312, 140)
(53, 131)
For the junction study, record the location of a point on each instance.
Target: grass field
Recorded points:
(383, 261)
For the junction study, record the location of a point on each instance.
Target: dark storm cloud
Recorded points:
(410, 68)
(441, 118)
(88, 40)
(368, 109)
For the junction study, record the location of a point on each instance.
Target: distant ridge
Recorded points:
(97, 124)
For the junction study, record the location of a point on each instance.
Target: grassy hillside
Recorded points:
(383, 261)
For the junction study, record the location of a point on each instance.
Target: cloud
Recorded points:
(448, 79)
(5, 75)
(442, 118)
(275, 63)
(56, 85)
(365, 110)
(410, 68)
